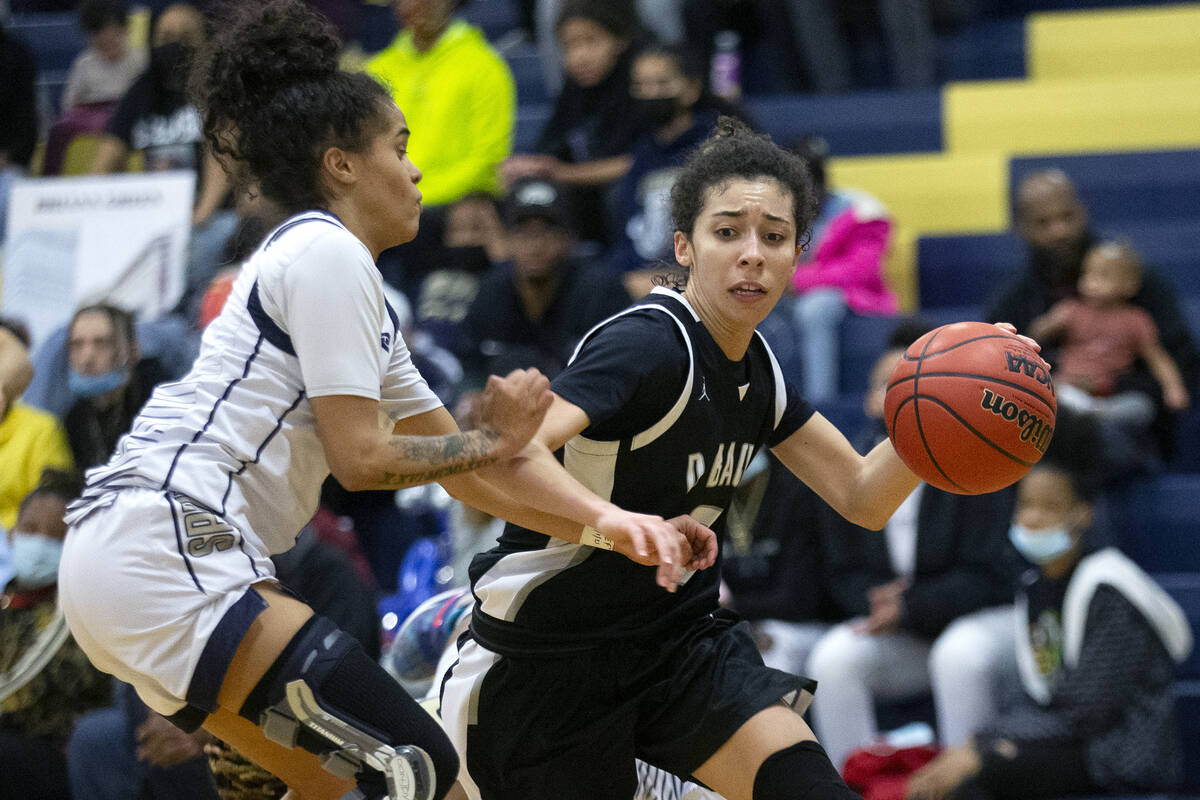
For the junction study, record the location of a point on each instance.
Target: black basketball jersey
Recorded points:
(673, 425)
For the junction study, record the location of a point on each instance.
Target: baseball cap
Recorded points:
(537, 198)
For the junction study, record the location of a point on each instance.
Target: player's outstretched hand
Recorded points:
(651, 540)
(701, 540)
(1008, 327)
(513, 407)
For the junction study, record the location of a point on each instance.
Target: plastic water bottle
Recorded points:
(726, 75)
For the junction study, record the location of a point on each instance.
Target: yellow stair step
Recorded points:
(1113, 42)
(933, 193)
(1072, 116)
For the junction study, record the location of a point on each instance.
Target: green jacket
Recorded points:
(460, 102)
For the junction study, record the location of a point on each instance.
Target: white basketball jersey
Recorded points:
(307, 317)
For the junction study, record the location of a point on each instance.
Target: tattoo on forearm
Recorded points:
(441, 456)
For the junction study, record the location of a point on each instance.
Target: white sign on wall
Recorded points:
(120, 239)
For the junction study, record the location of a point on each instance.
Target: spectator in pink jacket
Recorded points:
(841, 269)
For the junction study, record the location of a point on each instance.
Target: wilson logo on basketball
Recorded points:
(1034, 429)
(1032, 369)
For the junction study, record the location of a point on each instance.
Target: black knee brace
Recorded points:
(326, 695)
(800, 772)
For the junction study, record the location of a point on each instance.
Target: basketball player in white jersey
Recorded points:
(166, 578)
(577, 664)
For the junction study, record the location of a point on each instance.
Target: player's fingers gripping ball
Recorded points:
(970, 408)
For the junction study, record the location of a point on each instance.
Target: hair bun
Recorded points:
(263, 48)
(729, 126)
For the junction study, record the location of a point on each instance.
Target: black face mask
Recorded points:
(470, 258)
(169, 65)
(656, 111)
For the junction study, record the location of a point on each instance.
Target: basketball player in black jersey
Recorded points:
(577, 662)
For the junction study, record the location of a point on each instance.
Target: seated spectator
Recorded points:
(473, 242)
(155, 119)
(928, 602)
(1101, 334)
(532, 311)
(1096, 647)
(663, 19)
(46, 681)
(99, 76)
(839, 270)
(1053, 222)
(587, 142)
(111, 380)
(669, 97)
(457, 94)
(18, 109)
(106, 69)
(30, 439)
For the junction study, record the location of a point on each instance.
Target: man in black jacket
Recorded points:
(1054, 223)
(928, 604)
(533, 310)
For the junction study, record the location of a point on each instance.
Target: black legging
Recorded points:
(1039, 769)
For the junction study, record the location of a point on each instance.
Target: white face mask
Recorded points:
(1041, 546)
(35, 559)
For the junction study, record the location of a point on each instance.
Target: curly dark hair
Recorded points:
(733, 152)
(273, 99)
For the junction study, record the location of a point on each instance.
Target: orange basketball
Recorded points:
(970, 408)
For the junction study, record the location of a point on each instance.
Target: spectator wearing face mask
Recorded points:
(472, 243)
(46, 681)
(1097, 644)
(155, 120)
(677, 112)
(110, 378)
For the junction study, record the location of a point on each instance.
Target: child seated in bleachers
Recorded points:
(1102, 335)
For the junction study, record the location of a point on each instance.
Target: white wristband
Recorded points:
(593, 538)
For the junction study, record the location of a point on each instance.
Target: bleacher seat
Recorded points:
(55, 38)
(526, 66)
(1184, 587)
(933, 193)
(1115, 187)
(377, 26)
(530, 121)
(953, 270)
(1155, 521)
(1129, 112)
(966, 269)
(857, 124)
(495, 17)
(984, 50)
(862, 339)
(1114, 42)
(1187, 711)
